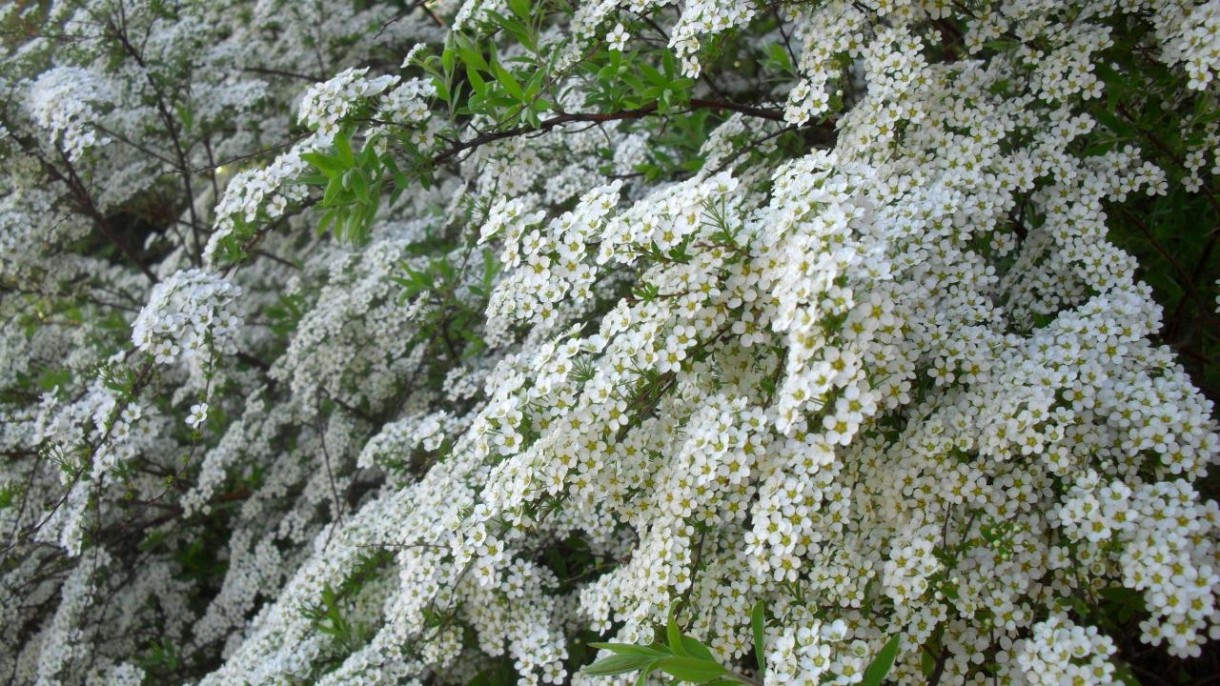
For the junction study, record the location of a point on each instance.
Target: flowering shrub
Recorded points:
(536, 341)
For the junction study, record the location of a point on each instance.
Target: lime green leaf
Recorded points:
(326, 164)
(512, 85)
(618, 664)
(691, 646)
(691, 669)
(674, 634)
(476, 81)
(758, 623)
(520, 9)
(344, 145)
(643, 678)
(880, 666)
(631, 649)
(470, 54)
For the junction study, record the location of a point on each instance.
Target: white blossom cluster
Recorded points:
(64, 101)
(408, 102)
(325, 104)
(188, 315)
(1062, 652)
(705, 18)
(1190, 33)
(260, 192)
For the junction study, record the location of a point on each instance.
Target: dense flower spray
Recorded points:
(372, 344)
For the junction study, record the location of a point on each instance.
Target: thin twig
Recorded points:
(330, 476)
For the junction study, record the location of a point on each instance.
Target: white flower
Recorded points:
(199, 412)
(617, 38)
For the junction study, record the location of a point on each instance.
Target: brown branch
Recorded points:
(596, 117)
(253, 361)
(275, 258)
(938, 670)
(280, 72)
(213, 165)
(84, 203)
(11, 288)
(127, 141)
(418, 4)
(492, 136)
(184, 169)
(749, 110)
(751, 147)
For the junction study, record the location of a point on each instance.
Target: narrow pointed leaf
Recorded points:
(674, 634)
(692, 647)
(880, 666)
(758, 623)
(691, 669)
(618, 664)
(506, 79)
(631, 649)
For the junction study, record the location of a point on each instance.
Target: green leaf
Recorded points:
(327, 219)
(1124, 675)
(632, 649)
(186, 114)
(476, 81)
(512, 85)
(618, 664)
(1122, 595)
(359, 185)
(469, 53)
(694, 648)
(518, 28)
(674, 634)
(643, 678)
(691, 669)
(6, 496)
(369, 159)
(779, 58)
(442, 88)
(651, 73)
(331, 196)
(314, 180)
(758, 623)
(520, 9)
(326, 164)
(449, 54)
(343, 144)
(880, 666)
